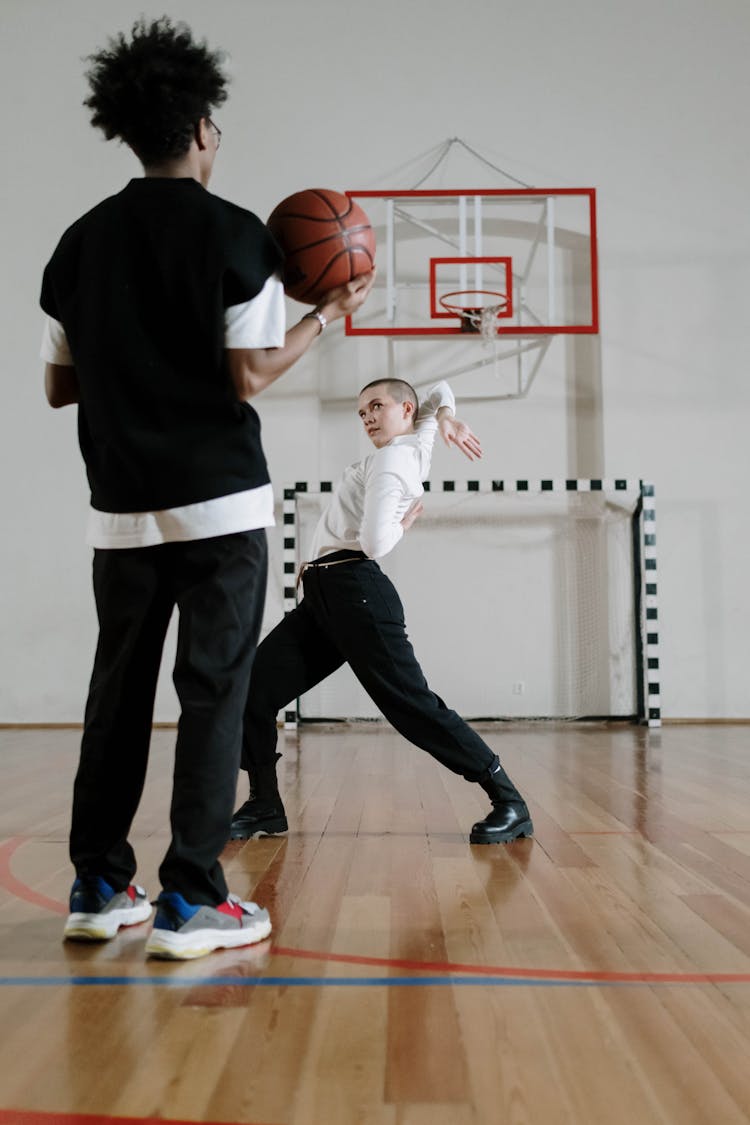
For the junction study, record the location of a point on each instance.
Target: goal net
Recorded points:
(521, 603)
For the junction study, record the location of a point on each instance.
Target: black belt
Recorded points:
(335, 558)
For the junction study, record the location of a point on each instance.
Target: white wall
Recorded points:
(638, 100)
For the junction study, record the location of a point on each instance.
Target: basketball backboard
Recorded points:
(529, 252)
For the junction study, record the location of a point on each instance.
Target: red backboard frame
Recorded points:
(588, 194)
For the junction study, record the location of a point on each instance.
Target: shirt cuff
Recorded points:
(439, 395)
(442, 395)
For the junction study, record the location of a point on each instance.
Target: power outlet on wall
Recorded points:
(519, 687)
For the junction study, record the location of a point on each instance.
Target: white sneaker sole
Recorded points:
(172, 946)
(102, 927)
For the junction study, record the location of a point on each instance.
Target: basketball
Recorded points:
(327, 241)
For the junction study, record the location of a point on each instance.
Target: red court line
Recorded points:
(8, 882)
(35, 1117)
(510, 971)
(20, 890)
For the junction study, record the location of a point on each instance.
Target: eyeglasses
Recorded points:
(217, 131)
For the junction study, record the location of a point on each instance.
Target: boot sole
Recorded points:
(522, 831)
(253, 832)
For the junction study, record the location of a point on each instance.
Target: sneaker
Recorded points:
(97, 912)
(183, 931)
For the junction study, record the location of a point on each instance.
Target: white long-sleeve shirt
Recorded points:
(374, 494)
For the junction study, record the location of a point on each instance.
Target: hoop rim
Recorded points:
(467, 310)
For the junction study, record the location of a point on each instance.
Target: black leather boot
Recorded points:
(263, 812)
(509, 818)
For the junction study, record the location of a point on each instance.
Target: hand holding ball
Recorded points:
(327, 241)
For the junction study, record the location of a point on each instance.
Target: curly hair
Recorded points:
(151, 90)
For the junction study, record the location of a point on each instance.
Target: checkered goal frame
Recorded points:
(645, 602)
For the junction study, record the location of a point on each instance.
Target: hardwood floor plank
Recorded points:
(727, 918)
(342, 1076)
(425, 1059)
(684, 1085)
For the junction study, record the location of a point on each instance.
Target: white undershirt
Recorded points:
(374, 494)
(260, 323)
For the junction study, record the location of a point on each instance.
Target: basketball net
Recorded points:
(480, 319)
(484, 321)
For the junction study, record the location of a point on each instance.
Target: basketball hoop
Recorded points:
(478, 318)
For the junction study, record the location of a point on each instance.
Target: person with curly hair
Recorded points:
(164, 316)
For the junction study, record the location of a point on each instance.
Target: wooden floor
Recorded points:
(597, 974)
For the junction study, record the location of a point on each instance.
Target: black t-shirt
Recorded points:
(140, 284)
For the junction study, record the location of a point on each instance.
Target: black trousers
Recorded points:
(352, 613)
(218, 586)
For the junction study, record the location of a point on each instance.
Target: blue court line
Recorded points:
(316, 982)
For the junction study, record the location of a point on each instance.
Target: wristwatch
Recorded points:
(316, 314)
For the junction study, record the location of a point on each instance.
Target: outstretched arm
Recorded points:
(254, 369)
(437, 412)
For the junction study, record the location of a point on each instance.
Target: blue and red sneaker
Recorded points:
(97, 912)
(183, 930)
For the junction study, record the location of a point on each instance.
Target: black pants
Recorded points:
(351, 613)
(218, 586)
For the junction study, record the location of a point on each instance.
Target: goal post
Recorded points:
(552, 590)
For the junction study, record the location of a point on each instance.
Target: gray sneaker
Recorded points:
(97, 911)
(183, 930)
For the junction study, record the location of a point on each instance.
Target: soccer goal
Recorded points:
(523, 599)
